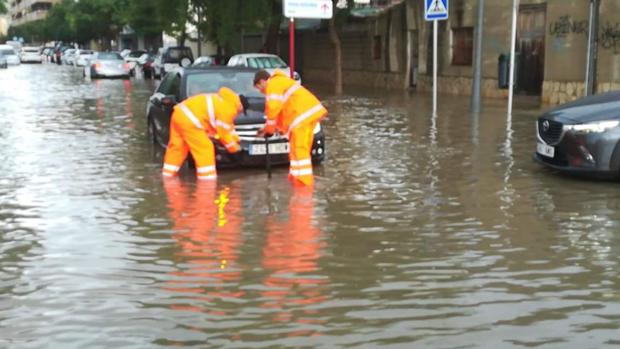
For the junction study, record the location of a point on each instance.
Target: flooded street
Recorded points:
(420, 232)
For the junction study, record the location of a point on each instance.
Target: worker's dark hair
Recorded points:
(261, 75)
(245, 103)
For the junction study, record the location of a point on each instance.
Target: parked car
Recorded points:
(30, 55)
(68, 56)
(146, 62)
(184, 82)
(132, 60)
(3, 63)
(265, 61)
(46, 53)
(582, 137)
(204, 62)
(171, 58)
(83, 57)
(107, 65)
(12, 58)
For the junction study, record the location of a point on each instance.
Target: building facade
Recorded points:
(24, 11)
(391, 47)
(4, 25)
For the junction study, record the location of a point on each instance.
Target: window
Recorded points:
(377, 48)
(462, 46)
(175, 85)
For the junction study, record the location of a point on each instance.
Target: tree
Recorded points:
(340, 16)
(225, 21)
(3, 8)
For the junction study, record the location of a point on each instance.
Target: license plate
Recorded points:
(545, 150)
(274, 148)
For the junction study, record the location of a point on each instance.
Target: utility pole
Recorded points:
(199, 12)
(513, 47)
(591, 60)
(475, 93)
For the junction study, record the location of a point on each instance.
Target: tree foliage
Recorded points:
(3, 7)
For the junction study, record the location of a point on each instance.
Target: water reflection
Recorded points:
(207, 230)
(291, 254)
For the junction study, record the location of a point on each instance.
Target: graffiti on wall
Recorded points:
(609, 32)
(566, 25)
(610, 36)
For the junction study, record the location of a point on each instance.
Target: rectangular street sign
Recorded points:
(308, 9)
(436, 10)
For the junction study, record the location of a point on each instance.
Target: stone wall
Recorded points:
(460, 86)
(560, 92)
(362, 78)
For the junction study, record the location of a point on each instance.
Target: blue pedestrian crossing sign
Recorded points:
(436, 10)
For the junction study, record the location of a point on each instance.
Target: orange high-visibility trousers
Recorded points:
(186, 137)
(300, 141)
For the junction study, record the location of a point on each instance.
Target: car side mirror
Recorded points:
(169, 101)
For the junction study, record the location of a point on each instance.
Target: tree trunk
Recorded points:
(335, 40)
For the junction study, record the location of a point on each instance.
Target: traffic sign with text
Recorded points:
(320, 9)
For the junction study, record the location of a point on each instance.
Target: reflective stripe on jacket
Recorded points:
(288, 104)
(213, 114)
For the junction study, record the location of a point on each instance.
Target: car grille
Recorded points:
(247, 132)
(550, 131)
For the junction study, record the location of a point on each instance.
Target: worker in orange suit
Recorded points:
(193, 121)
(294, 111)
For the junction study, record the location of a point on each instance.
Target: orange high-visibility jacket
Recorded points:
(213, 114)
(288, 104)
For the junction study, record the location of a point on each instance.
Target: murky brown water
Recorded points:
(421, 232)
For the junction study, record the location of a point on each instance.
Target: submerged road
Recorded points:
(420, 232)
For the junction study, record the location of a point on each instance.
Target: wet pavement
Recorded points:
(420, 232)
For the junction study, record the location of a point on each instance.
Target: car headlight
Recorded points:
(593, 127)
(317, 128)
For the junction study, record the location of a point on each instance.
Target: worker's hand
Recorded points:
(263, 133)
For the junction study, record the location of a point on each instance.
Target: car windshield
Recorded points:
(86, 52)
(136, 54)
(6, 52)
(266, 62)
(31, 50)
(211, 82)
(109, 56)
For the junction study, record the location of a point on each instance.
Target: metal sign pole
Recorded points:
(434, 67)
(291, 43)
(513, 44)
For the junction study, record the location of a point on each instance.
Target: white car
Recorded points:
(68, 56)
(30, 55)
(83, 57)
(12, 58)
(265, 61)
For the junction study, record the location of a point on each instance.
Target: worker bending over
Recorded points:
(193, 121)
(293, 111)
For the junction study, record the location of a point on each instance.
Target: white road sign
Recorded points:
(308, 9)
(436, 10)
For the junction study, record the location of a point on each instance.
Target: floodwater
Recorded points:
(420, 232)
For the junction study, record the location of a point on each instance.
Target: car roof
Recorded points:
(253, 55)
(215, 68)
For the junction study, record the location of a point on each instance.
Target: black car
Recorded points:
(185, 82)
(171, 58)
(582, 137)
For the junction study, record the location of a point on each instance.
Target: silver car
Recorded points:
(12, 58)
(107, 65)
